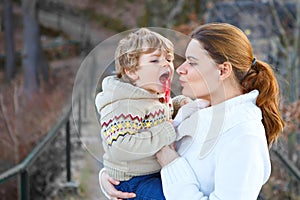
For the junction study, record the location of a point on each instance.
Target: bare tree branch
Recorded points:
(282, 32)
(175, 11)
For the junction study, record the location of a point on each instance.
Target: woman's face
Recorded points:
(199, 75)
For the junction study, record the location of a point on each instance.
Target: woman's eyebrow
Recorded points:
(192, 58)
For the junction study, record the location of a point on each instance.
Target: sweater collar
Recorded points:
(239, 100)
(114, 90)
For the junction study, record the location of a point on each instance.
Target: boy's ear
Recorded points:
(132, 74)
(225, 70)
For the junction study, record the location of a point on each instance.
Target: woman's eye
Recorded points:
(154, 61)
(192, 64)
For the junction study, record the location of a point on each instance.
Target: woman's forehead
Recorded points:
(195, 48)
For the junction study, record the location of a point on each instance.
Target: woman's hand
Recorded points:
(166, 155)
(108, 183)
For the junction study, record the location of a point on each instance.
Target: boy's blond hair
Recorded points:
(139, 42)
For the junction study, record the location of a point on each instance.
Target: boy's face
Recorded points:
(155, 71)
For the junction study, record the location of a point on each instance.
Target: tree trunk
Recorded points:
(42, 62)
(31, 46)
(10, 60)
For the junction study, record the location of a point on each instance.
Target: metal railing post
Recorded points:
(24, 185)
(68, 151)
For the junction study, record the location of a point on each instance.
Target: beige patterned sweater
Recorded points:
(134, 127)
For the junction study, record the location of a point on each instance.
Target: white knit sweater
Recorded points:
(224, 154)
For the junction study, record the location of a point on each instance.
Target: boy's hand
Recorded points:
(108, 183)
(178, 102)
(166, 155)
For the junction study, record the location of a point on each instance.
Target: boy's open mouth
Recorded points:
(164, 77)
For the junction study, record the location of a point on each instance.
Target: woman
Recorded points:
(222, 152)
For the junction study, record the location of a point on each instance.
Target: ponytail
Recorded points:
(261, 77)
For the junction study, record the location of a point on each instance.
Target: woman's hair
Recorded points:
(142, 41)
(225, 42)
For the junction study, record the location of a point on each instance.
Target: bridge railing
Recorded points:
(22, 169)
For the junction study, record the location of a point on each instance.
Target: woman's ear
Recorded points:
(132, 74)
(225, 70)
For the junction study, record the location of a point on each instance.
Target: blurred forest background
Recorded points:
(43, 42)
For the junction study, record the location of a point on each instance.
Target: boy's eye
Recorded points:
(169, 59)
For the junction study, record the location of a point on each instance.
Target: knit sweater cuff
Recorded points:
(178, 171)
(169, 129)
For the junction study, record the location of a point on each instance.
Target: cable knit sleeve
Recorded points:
(132, 135)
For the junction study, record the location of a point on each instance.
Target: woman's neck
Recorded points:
(224, 94)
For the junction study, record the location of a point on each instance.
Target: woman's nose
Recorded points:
(181, 69)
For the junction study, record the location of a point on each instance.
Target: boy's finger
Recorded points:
(113, 181)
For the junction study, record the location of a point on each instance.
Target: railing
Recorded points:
(22, 168)
(289, 166)
(292, 170)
